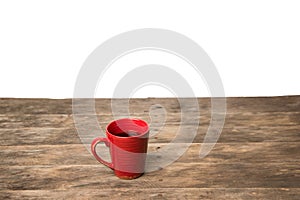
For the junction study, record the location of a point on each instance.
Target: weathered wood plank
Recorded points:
(239, 127)
(153, 193)
(28, 121)
(249, 119)
(222, 153)
(187, 175)
(234, 104)
(256, 157)
(55, 136)
(21, 106)
(39, 136)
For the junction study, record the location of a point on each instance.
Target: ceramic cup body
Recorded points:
(127, 140)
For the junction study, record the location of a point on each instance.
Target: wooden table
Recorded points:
(257, 155)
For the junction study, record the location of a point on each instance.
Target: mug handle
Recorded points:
(93, 148)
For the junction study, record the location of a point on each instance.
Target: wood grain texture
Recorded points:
(239, 127)
(154, 193)
(187, 175)
(257, 155)
(222, 153)
(69, 135)
(64, 106)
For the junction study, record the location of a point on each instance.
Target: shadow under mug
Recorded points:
(127, 140)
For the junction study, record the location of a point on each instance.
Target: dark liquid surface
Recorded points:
(127, 134)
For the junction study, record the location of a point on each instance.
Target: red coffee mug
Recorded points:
(127, 140)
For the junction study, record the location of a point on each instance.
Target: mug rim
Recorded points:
(128, 119)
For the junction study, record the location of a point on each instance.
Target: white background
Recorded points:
(255, 45)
